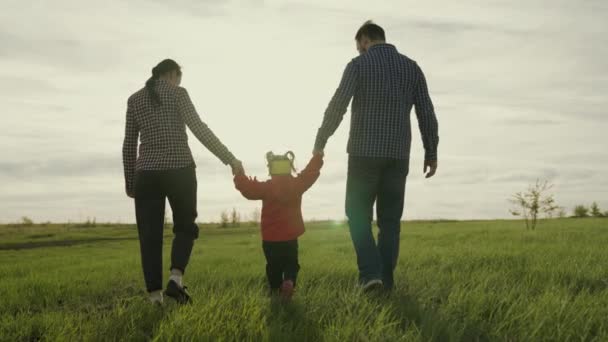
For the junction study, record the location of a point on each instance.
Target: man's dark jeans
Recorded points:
(281, 262)
(151, 190)
(380, 181)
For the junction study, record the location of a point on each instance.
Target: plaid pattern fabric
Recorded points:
(384, 85)
(161, 131)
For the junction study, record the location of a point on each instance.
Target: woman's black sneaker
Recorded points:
(177, 292)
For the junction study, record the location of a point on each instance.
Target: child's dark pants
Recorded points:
(281, 262)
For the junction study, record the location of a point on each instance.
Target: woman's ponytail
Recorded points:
(162, 68)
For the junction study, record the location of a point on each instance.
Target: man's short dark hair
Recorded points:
(370, 30)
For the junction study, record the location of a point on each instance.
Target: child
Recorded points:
(282, 221)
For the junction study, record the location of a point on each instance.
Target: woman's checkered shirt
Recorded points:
(161, 130)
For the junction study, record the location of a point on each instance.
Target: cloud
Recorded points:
(530, 121)
(519, 90)
(452, 27)
(68, 53)
(91, 165)
(12, 86)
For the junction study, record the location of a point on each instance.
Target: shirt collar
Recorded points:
(382, 46)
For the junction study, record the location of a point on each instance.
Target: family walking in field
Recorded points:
(383, 84)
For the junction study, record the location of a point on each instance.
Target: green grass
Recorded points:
(459, 281)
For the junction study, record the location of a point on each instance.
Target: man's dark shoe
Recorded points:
(373, 285)
(178, 293)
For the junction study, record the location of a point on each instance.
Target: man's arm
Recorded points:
(129, 151)
(427, 122)
(337, 106)
(202, 132)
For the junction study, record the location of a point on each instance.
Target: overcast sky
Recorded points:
(519, 89)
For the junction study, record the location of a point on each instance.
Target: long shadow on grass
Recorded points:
(57, 243)
(137, 321)
(289, 322)
(429, 321)
(409, 310)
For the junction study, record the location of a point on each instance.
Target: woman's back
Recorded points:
(162, 129)
(157, 116)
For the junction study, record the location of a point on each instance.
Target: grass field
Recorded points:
(459, 281)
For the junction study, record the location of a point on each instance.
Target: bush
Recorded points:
(26, 221)
(595, 210)
(224, 219)
(256, 216)
(235, 218)
(90, 222)
(581, 211)
(534, 202)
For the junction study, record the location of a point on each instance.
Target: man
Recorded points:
(384, 85)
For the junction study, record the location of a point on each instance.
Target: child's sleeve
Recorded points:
(250, 188)
(310, 174)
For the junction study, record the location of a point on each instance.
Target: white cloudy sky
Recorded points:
(519, 87)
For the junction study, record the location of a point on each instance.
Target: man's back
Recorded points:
(384, 85)
(380, 123)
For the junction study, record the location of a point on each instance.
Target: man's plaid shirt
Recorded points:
(161, 130)
(385, 85)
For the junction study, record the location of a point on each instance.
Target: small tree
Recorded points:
(581, 211)
(26, 221)
(562, 212)
(256, 216)
(224, 219)
(595, 210)
(533, 202)
(235, 218)
(90, 222)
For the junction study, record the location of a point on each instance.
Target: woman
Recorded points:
(164, 168)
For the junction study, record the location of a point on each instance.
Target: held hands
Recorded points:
(237, 168)
(432, 166)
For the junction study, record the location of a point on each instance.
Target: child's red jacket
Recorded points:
(282, 200)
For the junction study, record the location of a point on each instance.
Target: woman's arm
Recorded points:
(129, 151)
(202, 132)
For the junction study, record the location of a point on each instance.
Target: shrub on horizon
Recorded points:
(224, 219)
(595, 210)
(26, 221)
(581, 211)
(533, 202)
